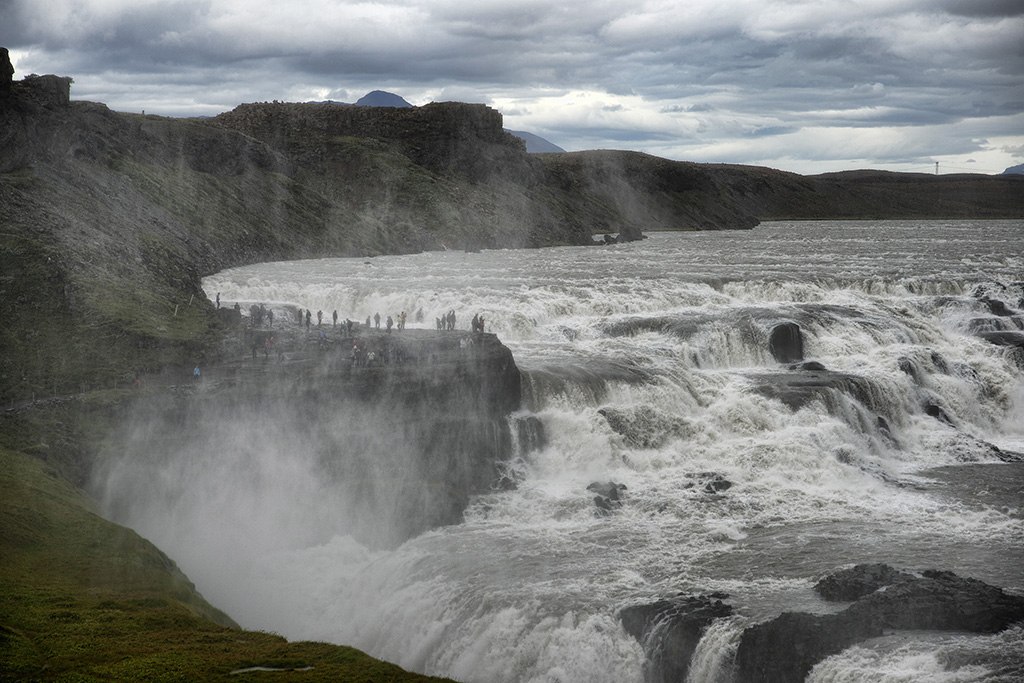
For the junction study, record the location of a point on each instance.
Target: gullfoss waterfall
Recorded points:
(885, 431)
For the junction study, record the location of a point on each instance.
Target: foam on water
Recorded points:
(668, 337)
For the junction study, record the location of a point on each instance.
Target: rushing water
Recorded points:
(670, 335)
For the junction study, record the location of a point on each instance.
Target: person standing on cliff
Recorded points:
(335, 317)
(390, 322)
(376, 320)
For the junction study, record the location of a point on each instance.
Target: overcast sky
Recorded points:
(801, 85)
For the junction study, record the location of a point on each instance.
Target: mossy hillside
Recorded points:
(82, 599)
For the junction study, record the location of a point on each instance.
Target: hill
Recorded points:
(535, 144)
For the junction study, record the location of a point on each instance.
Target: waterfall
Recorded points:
(650, 366)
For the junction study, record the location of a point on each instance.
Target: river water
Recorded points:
(668, 339)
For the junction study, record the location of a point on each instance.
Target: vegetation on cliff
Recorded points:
(87, 600)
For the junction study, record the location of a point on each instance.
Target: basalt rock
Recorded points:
(405, 441)
(6, 72)
(607, 499)
(785, 649)
(670, 630)
(852, 584)
(786, 343)
(710, 482)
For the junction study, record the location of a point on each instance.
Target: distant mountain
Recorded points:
(380, 98)
(1018, 169)
(377, 98)
(535, 144)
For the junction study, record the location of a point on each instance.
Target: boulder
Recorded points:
(670, 630)
(786, 343)
(808, 366)
(607, 498)
(710, 482)
(854, 583)
(785, 649)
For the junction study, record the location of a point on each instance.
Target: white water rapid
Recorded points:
(668, 339)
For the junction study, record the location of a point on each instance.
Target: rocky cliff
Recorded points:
(108, 220)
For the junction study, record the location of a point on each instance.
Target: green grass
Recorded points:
(82, 599)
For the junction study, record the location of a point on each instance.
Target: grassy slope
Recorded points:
(86, 600)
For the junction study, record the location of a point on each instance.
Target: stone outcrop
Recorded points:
(6, 72)
(405, 440)
(670, 630)
(108, 216)
(785, 649)
(854, 583)
(608, 498)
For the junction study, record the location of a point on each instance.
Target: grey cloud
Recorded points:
(713, 69)
(985, 8)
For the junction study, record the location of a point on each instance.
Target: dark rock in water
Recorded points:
(853, 584)
(607, 499)
(1006, 456)
(996, 306)
(711, 482)
(786, 343)
(936, 411)
(644, 426)
(1004, 338)
(809, 366)
(797, 389)
(606, 506)
(785, 649)
(669, 631)
(608, 489)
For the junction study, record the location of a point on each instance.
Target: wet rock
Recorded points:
(995, 306)
(809, 366)
(785, 649)
(936, 411)
(670, 630)
(1004, 338)
(644, 426)
(786, 343)
(607, 499)
(856, 582)
(710, 482)
(800, 388)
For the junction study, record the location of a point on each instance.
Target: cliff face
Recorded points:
(380, 450)
(108, 220)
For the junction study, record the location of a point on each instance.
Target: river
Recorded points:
(648, 365)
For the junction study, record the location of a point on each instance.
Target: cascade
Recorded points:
(647, 365)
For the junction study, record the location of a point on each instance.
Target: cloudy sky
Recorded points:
(808, 86)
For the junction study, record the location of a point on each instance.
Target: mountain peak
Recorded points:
(380, 98)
